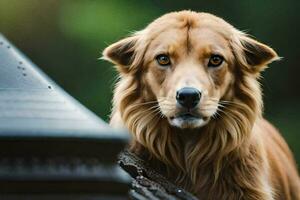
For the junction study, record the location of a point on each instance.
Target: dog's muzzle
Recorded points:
(188, 99)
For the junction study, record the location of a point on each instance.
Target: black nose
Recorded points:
(188, 97)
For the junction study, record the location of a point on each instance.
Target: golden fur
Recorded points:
(235, 154)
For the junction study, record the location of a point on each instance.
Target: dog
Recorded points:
(189, 94)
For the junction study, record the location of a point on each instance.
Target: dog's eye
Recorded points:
(215, 61)
(163, 60)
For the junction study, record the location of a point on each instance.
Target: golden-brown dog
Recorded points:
(189, 94)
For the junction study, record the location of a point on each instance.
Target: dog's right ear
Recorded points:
(121, 53)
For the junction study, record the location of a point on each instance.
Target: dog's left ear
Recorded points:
(256, 55)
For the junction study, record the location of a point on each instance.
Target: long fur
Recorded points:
(226, 159)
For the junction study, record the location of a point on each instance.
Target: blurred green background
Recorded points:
(65, 38)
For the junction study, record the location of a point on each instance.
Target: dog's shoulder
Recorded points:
(283, 175)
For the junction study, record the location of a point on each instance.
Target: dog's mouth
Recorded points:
(188, 120)
(187, 116)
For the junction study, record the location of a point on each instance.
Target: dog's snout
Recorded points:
(188, 97)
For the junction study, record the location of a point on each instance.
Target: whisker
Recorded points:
(231, 103)
(230, 115)
(145, 103)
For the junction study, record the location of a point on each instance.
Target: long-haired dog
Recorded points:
(189, 94)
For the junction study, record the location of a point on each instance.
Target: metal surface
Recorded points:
(33, 105)
(50, 145)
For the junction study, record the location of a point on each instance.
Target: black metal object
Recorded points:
(52, 147)
(148, 183)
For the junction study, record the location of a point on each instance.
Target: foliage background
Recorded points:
(65, 38)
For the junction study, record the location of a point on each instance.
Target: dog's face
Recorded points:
(189, 72)
(188, 62)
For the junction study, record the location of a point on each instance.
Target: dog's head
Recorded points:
(189, 63)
